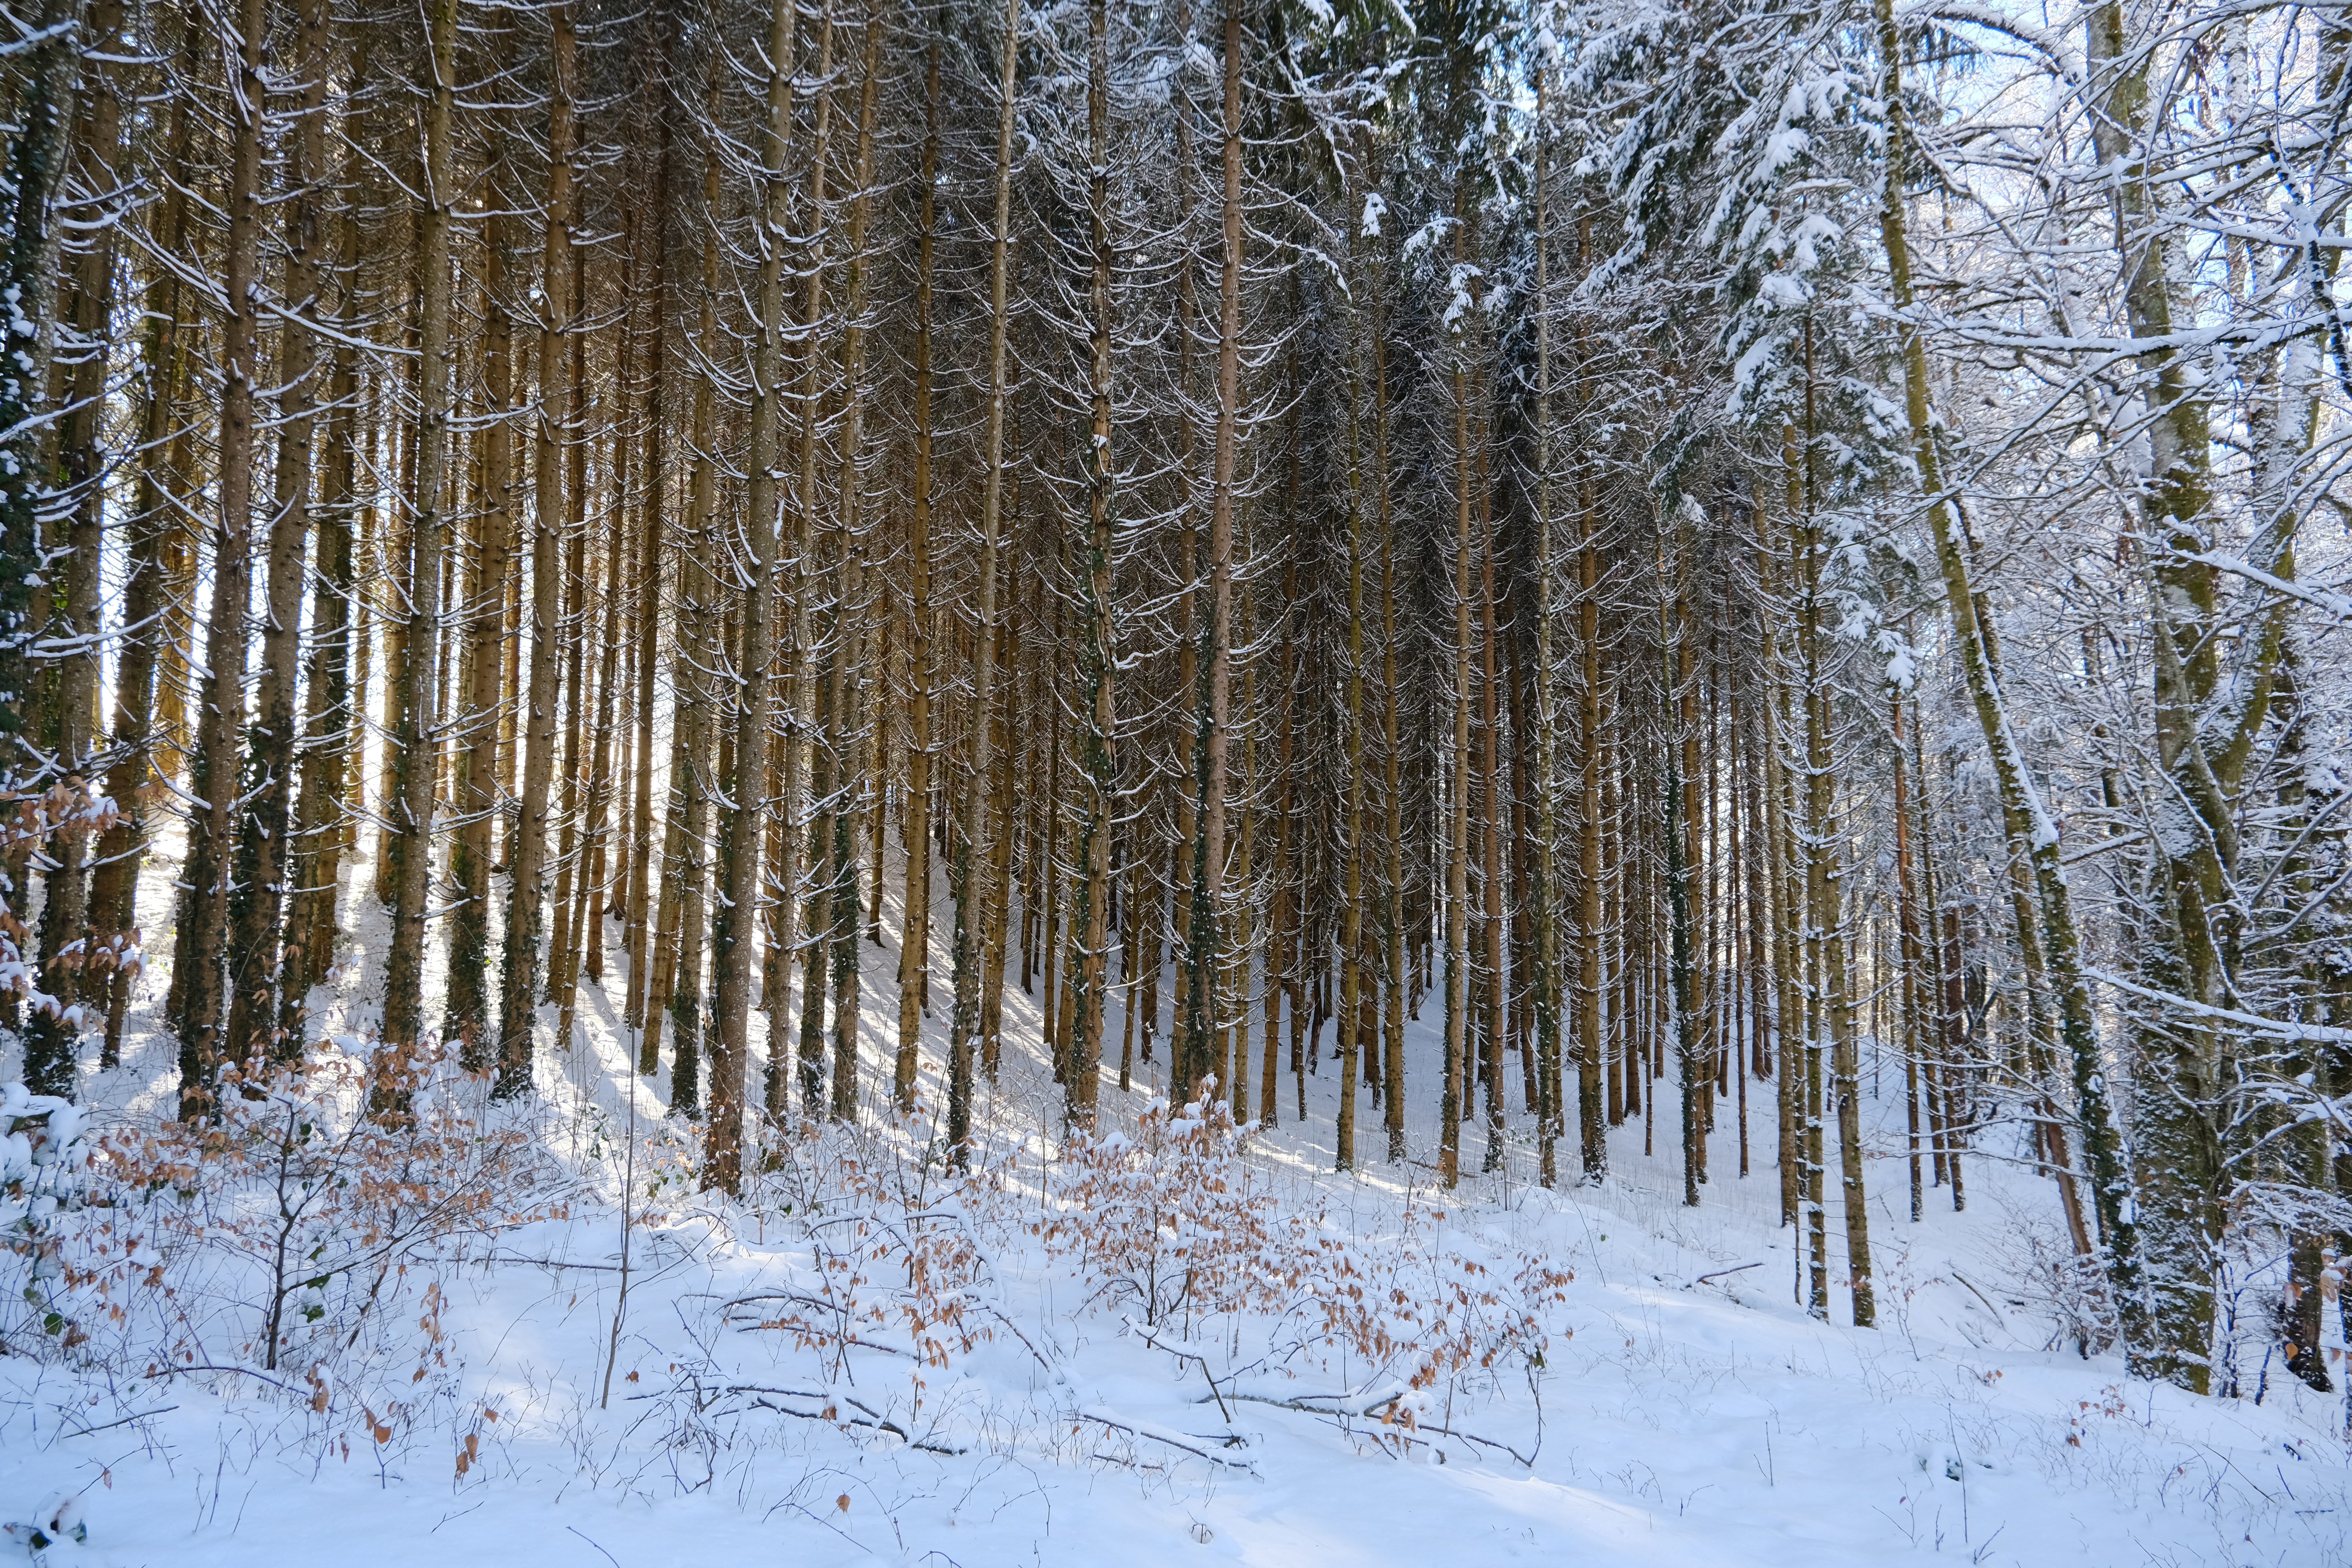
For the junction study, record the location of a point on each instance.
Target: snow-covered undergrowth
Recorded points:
(371, 1323)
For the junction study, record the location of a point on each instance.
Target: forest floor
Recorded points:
(1696, 1416)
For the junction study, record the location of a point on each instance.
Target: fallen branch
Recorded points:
(1245, 1465)
(1721, 1273)
(1365, 1414)
(831, 1400)
(837, 1419)
(1300, 1402)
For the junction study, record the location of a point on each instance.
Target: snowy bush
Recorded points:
(44, 1170)
(300, 1234)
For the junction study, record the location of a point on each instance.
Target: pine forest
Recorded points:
(1002, 781)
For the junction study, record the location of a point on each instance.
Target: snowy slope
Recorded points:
(1674, 1419)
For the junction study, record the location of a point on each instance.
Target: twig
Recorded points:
(1145, 1335)
(140, 1415)
(1980, 1296)
(608, 1556)
(1473, 1438)
(1721, 1272)
(240, 1370)
(990, 1308)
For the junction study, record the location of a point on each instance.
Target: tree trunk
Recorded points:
(915, 928)
(1098, 585)
(732, 947)
(416, 738)
(975, 873)
(1204, 956)
(220, 722)
(526, 896)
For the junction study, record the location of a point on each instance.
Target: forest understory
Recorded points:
(1669, 1402)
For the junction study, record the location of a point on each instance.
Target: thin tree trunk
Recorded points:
(1088, 924)
(526, 898)
(845, 886)
(468, 1019)
(1457, 850)
(975, 873)
(915, 929)
(220, 722)
(403, 994)
(1204, 956)
(732, 946)
(699, 653)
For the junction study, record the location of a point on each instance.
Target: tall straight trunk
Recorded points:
(915, 841)
(2032, 833)
(1787, 901)
(698, 652)
(1594, 1107)
(526, 900)
(1230, 1057)
(468, 1017)
(42, 90)
(391, 572)
(403, 989)
(1280, 956)
(321, 818)
(1351, 927)
(1827, 917)
(1392, 914)
(70, 957)
(817, 684)
(1812, 791)
(976, 870)
(258, 900)
(578, 593)
(1625, 1088)
(220, 720)
(1188, 645)
(1680, 831)
(1088, 923)
(1003, 812)
(1457, 849)
(145, 589)
(1205, 953)
(1491, 807)
(1545, 899)
(640, 1015)
(734, 922)
(592, 892)
(1846, 1072)
(843, 943)
(1953, 1015)
(1913, 951)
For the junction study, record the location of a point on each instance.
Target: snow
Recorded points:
(1680, 1408)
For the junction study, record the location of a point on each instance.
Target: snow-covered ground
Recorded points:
(1684, 1410)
